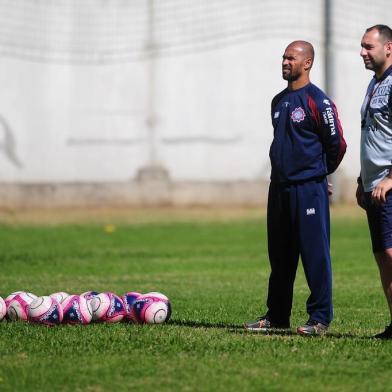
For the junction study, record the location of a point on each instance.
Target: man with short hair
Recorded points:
(308, 145)
(375, 181)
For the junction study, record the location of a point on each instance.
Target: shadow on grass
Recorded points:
(338, 335)
(204, 324)
(292, 332)
(239, 330)
(233, 328)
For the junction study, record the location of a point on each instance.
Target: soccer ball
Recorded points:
(3, 309)
(11, 297)
(164, 298)
(61, 296)
(149, 309)
(107, 307)
(89, 294)
(158, 295)
(77, 310)
(128, 300)
(45, 310)
(17, 308)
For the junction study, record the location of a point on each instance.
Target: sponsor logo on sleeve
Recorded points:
(329, 120)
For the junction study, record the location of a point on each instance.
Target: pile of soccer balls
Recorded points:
(57, 308)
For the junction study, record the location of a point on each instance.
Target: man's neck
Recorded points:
(381, 71)
(297, 84)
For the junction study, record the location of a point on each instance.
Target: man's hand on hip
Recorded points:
(381, 189)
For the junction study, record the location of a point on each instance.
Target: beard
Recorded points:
(289, 75)
(369, 65)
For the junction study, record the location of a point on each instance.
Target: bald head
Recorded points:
(297, 62)
(303, 47)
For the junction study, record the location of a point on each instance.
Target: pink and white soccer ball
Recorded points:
(45, 310)
(3, 309)
(158, 295)
(164, 298)
(60, 296)
(151, 309)
(128, 300)
(10, 297)
(17, 308)
(107, 307)
(77, 310)
(89, 294)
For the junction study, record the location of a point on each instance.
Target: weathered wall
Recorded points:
(91, 93)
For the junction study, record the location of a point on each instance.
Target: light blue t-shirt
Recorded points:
(376, 131)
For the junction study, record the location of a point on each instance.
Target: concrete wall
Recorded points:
(91, 93)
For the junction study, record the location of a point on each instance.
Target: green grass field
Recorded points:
(215, 272)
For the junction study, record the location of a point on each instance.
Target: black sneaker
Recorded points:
(312, 328)
(264, 324)
(387, 334)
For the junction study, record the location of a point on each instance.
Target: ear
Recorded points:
(388, 48)
(308, 64)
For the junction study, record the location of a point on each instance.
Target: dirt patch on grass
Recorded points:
(124, 215)
(131, 215)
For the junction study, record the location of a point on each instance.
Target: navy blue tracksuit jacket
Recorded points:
(308, 145)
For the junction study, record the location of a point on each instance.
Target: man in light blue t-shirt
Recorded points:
(374, 192)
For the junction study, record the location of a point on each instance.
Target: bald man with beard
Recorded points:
(308, 145)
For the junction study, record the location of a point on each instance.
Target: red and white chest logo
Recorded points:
(298, 115)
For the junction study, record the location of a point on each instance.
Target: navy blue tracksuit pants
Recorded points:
(298, 225)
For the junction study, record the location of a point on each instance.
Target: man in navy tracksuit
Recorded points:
(308, 145)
